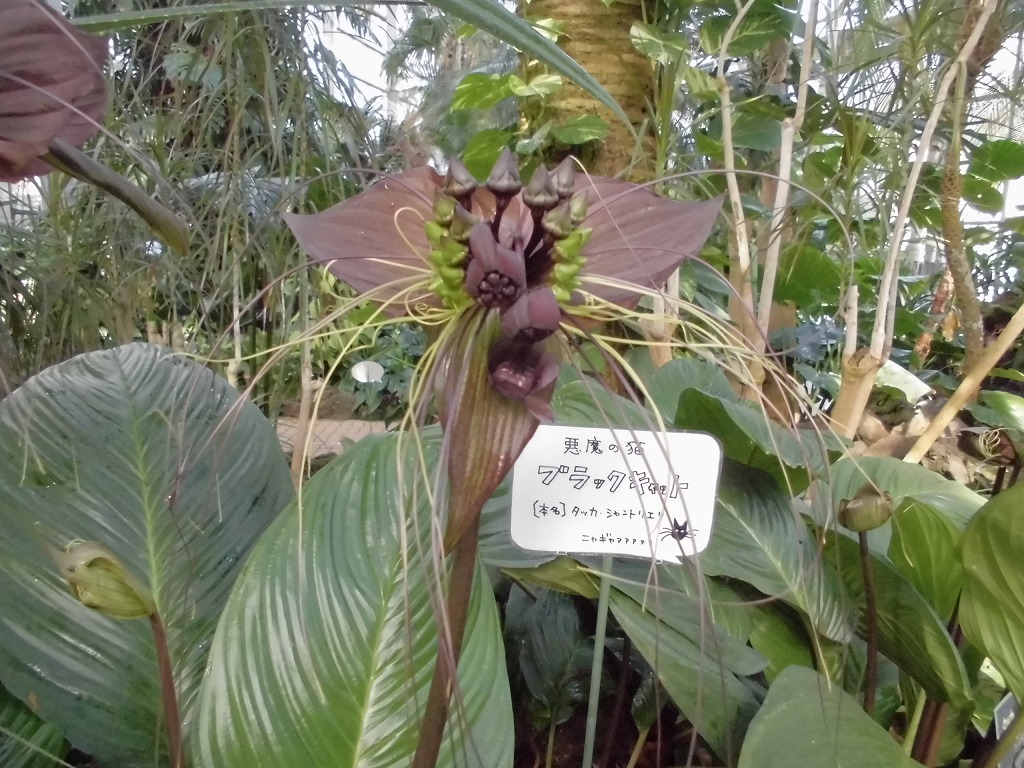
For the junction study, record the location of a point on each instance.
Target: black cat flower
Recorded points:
(499, 267)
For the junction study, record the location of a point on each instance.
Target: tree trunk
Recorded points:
(597, 37)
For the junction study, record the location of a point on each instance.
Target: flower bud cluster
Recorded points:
(512, 248)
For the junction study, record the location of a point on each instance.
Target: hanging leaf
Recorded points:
(326, 648)
(155, 458)
(481, 91)
(580, 130)
(992, 604)
(781, 638)
(997, 160)
(657, 44)
(809, 722)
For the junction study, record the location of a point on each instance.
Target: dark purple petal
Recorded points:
(534, 317)
(524, 372)
(639, 237)
(496, 275)
(376, 237)
(52, 86)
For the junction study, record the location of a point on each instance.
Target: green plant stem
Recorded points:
(915, 722)
(1003, 746)
(871, 619)
(638, 747)
(549, 758)
(595, 668)
(460, 589)
(171, 713)
(617, 708)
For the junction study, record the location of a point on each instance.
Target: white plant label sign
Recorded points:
(616, 491)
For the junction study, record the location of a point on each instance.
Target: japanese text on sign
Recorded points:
(615, 491)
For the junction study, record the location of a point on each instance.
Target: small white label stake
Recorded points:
(616, 491)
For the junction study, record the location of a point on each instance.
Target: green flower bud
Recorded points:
(557, 222)
(99, 581)
(867, 510)
(578, 207)
(462, 222)
(444, 208)
(434, 232)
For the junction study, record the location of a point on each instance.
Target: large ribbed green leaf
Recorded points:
(25, 740)
(325, 651)
(759, 538)
(807, 721)
(154, 457)
(992, 604)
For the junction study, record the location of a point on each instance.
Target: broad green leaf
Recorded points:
(982, 194)
(481, 91)
(807, 275)
(670, 381)
(748, 436)
(156, 458)
(580, 129)
(910, 632)
(992, 604)
(718, 704)
(483, 149)
(806, 721)
(1003, 409)
(554, 656)
(325, 650)
(25, 740)
(759, 538)
(687, 616)
(923, 549)
(754, 31)
(699, 83)
(586, 403)
(562, 573)
(657, 44)
(998, 160)
(903, 480)
(750, 131)
(541, 85)
(781, 639)
(1005, 373)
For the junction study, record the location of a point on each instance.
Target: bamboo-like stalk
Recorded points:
(790, 128)
(965, 392)
(740, 274)
(861, 368)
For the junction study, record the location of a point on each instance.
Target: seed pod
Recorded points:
(867, 510)
(99, 581)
